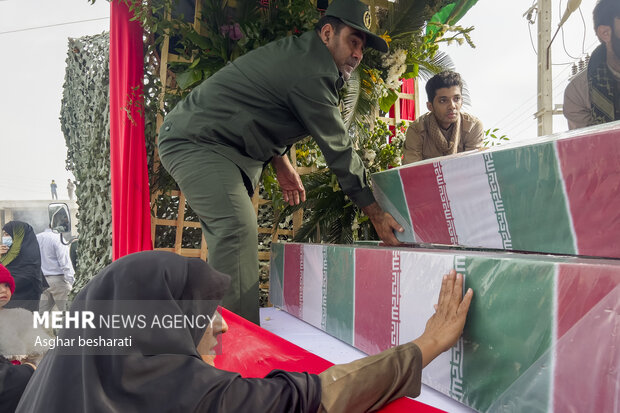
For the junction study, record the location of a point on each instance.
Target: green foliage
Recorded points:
(381, 150)
(332, 214)
(226, 33)
(387, 101)
(308, 154)
(449, 15)
(359, 99)
(492, 138)
(84, 119)
(406, 18)
(333, 217)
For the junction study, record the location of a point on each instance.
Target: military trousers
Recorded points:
(215, 190)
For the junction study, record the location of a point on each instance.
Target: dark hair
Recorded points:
(605, 12)
(336, 23)
(440, 80)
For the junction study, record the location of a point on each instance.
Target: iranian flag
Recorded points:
(541, 333)
(557, 195)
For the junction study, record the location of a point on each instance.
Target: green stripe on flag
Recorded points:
(276, 274)
(532, 194)
(514, 297)
(390, 184)
(340, 292)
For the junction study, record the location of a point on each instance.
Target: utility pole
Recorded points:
(545, 87)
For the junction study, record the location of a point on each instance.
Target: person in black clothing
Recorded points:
(20, 254)
(14, 376)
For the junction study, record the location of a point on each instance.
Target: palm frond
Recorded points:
(358, 105)
(408, 17)
(429, 68)
(331, 213)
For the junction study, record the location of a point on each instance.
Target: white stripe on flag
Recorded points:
(421, 276)
(312, 288)
(566, 200)
(471, 203)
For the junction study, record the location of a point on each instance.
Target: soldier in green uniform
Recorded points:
(216, 142)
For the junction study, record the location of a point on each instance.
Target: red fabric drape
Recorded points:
(131, 218)
(407, 106)
(253, 352)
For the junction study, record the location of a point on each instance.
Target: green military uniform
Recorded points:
(216, 142)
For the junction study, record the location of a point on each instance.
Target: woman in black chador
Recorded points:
(19, 253)
(164, 371)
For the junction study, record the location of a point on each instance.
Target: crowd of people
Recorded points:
(36, 275)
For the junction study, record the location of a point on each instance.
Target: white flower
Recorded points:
(396, 62)
(393, 77)
(397, 57)
(369, 156)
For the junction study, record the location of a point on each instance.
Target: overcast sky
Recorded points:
(500, 73)
(32, 72)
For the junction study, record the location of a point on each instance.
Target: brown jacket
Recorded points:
(418, 147)
(371, 382)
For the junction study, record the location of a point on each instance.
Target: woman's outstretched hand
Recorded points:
(445, 327)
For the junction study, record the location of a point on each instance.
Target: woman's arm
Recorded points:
(370, 383)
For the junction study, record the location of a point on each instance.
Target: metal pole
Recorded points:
(545, 87)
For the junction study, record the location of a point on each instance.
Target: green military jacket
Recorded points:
(266, 100)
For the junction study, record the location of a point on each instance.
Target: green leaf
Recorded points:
(194, 63)
(411, 74)
(189, 78)
(386, 102)
(201, 41)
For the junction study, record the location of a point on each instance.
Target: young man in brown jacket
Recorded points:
(444, 130)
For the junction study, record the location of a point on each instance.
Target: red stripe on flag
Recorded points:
(292, 278)
(425, 204)
(373, 300)
(592, 179)
(581, 287)
(586, 355)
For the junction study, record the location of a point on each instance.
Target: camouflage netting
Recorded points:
(85, 122)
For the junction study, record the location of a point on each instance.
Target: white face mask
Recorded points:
(7, 240)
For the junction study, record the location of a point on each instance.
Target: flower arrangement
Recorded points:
(396, 64)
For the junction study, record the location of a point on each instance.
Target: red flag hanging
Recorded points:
(131, 217)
